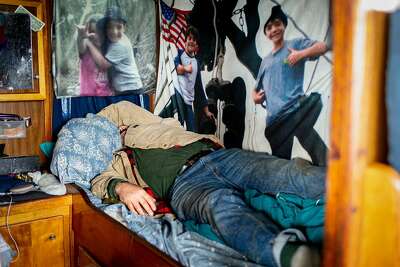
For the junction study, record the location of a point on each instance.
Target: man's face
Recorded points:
(191, 45)
(275, 30)
(115, 30)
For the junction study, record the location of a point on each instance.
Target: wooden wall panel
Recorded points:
(357, 137)
(40, 111)
(34, 134)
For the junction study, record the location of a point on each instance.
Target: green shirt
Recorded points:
(159, 167)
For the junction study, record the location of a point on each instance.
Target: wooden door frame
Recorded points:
(358, 137)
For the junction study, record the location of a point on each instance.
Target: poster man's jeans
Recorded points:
(211, 191)
(300, 123)
(185, 111)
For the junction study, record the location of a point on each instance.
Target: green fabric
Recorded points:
(291, 211)
(202, 229)
(47, 149)
(288, 210)
(112, 196)
(288, 251)
(159, 167)
(111, 187)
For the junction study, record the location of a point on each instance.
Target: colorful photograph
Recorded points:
(255, 73)
(100, 50)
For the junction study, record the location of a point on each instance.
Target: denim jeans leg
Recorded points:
(245, 170)
(211, 191)
(200, 196)
(189, 118)
(309, 138)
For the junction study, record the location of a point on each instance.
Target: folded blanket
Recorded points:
(287, 210)
(291, 211)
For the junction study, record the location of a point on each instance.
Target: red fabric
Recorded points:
(173, 25)
(162, 206)
(3, 38)
(93, 81)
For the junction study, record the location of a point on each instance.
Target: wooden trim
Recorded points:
(116, 245)
(380, 227)
(152, 98)
(357, 122)
(41, 53)
(152, 95)
(48, 103)
(36, 209)
(337, 198)
(85, 259)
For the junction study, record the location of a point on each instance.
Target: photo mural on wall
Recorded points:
(104, 47)
(265, 69)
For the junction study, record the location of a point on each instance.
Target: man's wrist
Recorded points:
(117, 188)
(303, 54)
(113, 187)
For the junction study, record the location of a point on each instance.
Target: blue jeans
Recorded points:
(211, 191)
(189, 118)
(185, 111)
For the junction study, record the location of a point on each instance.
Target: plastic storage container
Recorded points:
(12, 129)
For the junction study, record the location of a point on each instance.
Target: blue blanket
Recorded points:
(170, 236)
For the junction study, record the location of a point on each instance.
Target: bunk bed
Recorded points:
(92, 233)
(99, 240)
(363, 190)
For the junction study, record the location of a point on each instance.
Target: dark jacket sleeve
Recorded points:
(177, 59)
(200, 98)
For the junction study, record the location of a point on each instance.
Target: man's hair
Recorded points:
(194, 33)
(115, 13)
(276, 13)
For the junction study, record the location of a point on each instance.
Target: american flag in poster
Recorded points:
(173, 25)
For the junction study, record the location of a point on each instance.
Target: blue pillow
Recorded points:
(47, 149)
(84, 149)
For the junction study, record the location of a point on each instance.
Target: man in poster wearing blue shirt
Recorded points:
(279, 85)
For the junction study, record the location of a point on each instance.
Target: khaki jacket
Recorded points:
(145, 131)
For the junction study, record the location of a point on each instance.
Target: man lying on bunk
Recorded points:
(204, 182)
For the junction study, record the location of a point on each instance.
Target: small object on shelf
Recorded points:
(24, 177)
(9, 181)
(22, 189)
(13, 126)
(19, 164)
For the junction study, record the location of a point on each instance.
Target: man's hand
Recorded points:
(258, 96)
(294, 56)
(188, 68)
(136, 199)
(208, 113)
(180, 69)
